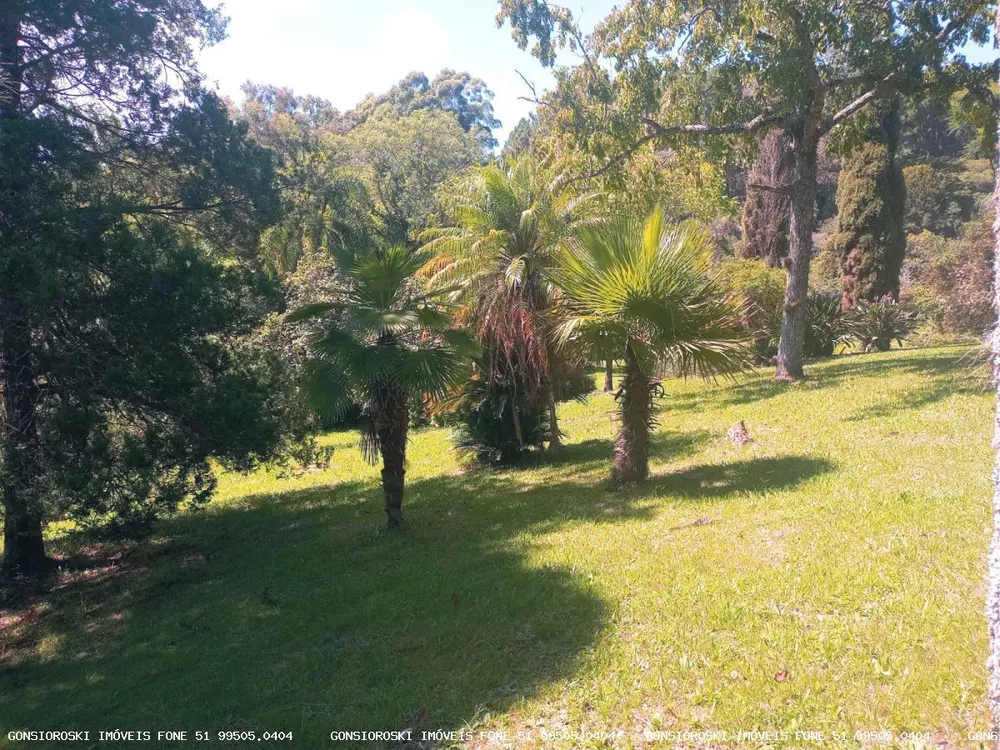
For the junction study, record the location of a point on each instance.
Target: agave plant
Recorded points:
(826, 324)
(641, 289)
(508, 219)
(383, 344)
(876, 324)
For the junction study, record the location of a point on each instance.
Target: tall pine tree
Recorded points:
(130, 206)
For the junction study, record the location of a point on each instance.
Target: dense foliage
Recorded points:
(871, 197)
(937, 199)
(663, 71)
(499, 422)
(128, 216)
(876, 324)
(826, 324)
(507, 221)
(466, 98)
(949, 280)
(758, 290)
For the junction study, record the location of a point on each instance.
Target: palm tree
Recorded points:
(641, 289)
(508, 219)
(383, 344)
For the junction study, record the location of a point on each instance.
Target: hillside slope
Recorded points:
(829, 576)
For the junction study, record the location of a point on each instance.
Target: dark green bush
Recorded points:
(937, 199)
(826, 324)
(877, 324)
(497, 422)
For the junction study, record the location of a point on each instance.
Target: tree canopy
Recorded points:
(130, 205)
(660, 70)
(461, 94)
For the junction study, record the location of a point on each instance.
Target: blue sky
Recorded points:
(342, 50)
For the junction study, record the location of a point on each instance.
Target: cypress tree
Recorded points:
(871, 199)
(129, 216)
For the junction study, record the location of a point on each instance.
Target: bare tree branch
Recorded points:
(888, 83)
(788, 189)
(657, 131)
(763, 120)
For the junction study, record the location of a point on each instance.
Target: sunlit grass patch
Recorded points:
(827, 576)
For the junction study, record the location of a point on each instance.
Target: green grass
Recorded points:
(829, 576)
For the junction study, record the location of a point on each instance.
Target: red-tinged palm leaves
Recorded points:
(508, 220)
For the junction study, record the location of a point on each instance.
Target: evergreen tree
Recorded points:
(129, 212)
(871, 197)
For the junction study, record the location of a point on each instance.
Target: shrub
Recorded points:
(498, 423)
(937, 200)
(826, 324)
(877, 324)
(950, 281)
(760, 291)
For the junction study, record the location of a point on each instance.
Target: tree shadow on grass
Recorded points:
(663, 445)
(716, 481)
(939, 385)
(296, 611)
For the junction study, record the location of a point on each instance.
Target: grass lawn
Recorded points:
(827, 577)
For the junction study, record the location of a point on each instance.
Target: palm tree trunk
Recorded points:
(515, 416)
(632, 444)
(392, 442)
(609, 376)
(993, 574)
(554, 441)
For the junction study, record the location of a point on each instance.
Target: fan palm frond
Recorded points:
(389, 338)
(645, 284)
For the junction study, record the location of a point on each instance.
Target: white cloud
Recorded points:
(291, 43)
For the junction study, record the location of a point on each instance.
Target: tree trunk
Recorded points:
(803, 220)
(609, 376)
(392, 443)
(24, 550)
(554, 441)
(993, 574)
(632, 444)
